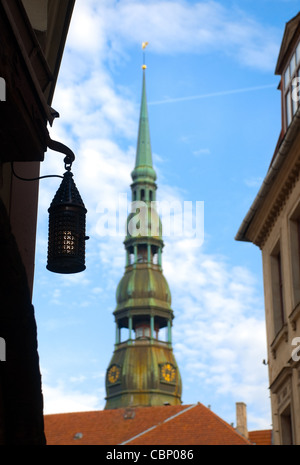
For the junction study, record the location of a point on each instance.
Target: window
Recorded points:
(298, 53)
(142, 256)
(288, 106)
(142, 331)
(277, 290)
(291, 86)
(294, 226)
(286, 427)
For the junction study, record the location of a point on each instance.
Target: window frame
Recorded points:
(277, 286)
(294, 239)
(288, 86)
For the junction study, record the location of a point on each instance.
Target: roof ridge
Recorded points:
(155, 426)
(180, 413)
(227, 424)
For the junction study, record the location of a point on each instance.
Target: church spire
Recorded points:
(143, 370)
(143, 170)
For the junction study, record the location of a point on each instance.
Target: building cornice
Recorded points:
(259, 237)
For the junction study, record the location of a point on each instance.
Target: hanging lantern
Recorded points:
(66, 243)
(66, 236)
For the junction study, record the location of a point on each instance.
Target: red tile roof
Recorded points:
(261, 437)
(163, 425)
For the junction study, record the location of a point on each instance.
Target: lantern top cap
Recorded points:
(67, 193)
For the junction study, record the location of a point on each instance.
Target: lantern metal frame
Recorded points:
(67, 219)
(66, 239)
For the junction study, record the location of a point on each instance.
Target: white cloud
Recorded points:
(87, 34)
(63, 399)
(95, 108)
(254, 182)
(172, 27)
(201, 152)
(102, 30)
(219, 326)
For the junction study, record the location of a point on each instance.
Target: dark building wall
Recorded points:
(29, 64)
(21, 402)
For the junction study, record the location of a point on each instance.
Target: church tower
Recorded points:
(143, 370)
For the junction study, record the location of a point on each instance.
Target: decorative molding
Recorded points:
(284, 394)
(293, 317)
(281, 336)
(279, 204)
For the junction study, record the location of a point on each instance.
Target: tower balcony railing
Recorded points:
(143, 341)
(143, 264)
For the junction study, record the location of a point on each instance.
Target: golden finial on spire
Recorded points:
(144, 45)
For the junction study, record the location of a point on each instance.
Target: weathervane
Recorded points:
(144, 45)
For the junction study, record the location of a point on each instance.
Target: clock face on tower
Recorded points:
(113, 374)
(168, 372)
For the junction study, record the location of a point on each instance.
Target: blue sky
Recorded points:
(214, 112)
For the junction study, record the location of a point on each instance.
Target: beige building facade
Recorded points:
(273, 224)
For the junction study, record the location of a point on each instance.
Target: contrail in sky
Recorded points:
(213, 94)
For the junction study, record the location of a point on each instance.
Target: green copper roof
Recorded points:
(140, 381)
(143, 288)
(143, 170)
